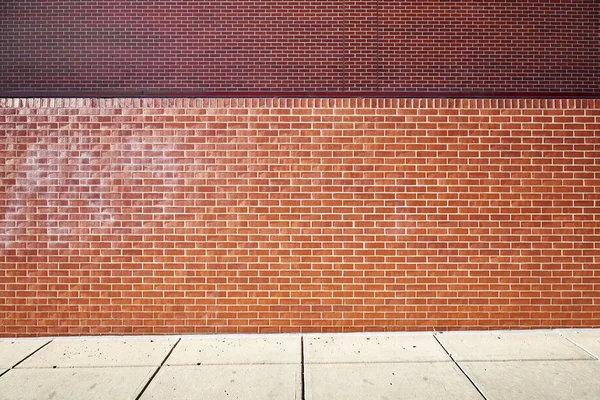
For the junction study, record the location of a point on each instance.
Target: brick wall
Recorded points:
(279, 215)
(55, 46)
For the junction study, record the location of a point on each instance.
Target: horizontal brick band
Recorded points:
(300, 94)
(300, 45)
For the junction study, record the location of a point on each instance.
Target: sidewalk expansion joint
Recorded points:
(302, 381)
(461, 370)
(579, 346)
(32, 353)
(157, 369)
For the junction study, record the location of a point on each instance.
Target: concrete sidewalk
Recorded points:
(557, 364)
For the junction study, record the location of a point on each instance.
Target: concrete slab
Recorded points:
(74, 383)
(536, 380)
(220, 382)
(232, 349)
(14, 350)
(372, 348)
(439, 380)
(102, 352)
(588, 340)
(494, 346)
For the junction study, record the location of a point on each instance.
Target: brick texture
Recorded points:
(300, 46)
(133, 216)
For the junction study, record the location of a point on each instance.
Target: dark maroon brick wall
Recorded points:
(55, 46)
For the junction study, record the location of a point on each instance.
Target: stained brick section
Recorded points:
(264, 215)
(300, 45)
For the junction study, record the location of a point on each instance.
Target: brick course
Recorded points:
(54, 46)
(134, 216)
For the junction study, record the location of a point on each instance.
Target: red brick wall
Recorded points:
(248, 215)
(300, 45)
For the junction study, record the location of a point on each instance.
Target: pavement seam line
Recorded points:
(460, 368)
(302, 381)
(32, 353)
(579, 346)
(230, 363)
(378, 362)
(157, 369)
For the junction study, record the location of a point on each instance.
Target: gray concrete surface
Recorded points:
(520, 345)
(502, 365)
(587, 340)
(390, 381)
(372, 348)
(536, 380)
(227, 382)
(232, 349)
(13, 351)
(231, 367)
(102, 352)
(116, 383)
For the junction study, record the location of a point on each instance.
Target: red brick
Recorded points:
(261, 228)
